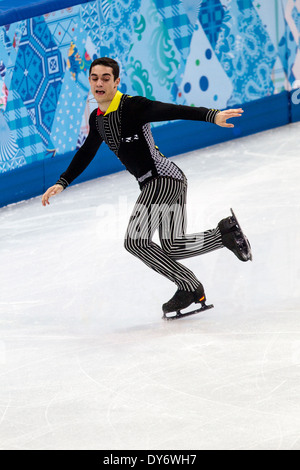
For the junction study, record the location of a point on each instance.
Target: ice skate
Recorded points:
(183, 299)
(234, 239)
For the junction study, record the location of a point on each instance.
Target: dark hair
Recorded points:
(108, 62)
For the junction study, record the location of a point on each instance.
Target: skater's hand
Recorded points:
(222, 116)
(56, 189)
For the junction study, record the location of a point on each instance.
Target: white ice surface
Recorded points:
(86, 361)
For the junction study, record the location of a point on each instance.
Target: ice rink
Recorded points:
(86, 362)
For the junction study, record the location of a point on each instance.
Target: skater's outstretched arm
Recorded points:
(145, 110)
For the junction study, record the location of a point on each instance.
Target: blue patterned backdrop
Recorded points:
(215, 53)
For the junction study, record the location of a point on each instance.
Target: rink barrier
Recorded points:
(17, 10)
(172, 138)
(295, 105)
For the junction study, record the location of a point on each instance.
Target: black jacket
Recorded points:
(125, 127)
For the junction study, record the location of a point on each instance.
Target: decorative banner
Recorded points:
(214, 53)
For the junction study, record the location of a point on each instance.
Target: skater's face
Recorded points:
(103, 85)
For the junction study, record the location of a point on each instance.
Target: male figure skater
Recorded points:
(123, 122)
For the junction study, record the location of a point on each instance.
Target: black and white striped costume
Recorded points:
(125, 127)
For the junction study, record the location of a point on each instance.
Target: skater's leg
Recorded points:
(174, 239)
(151, 208)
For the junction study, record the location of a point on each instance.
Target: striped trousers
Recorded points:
(161, 206)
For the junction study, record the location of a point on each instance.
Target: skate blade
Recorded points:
(179, 314)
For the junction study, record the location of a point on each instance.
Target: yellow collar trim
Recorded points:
(114, 103)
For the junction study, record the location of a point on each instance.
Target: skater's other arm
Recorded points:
(79, 163)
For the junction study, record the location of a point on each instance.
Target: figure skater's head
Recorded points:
(104, 80)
